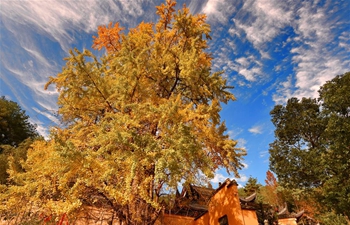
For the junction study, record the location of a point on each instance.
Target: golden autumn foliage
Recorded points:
(139, 120)
(270, 194)
(108, 37)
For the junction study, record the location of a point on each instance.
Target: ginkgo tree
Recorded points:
(138, 121)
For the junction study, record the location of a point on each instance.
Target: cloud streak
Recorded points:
(220, 178)
(256, 129)
(265, 20)
(38, 34)
(218, 10)
(62, 19)
(312, 32)
(316, 56)
(248, 37)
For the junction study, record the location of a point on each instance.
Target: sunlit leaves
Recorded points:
(139, 120)
(108, 37)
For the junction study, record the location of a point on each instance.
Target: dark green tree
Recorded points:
(16, 134)
(252, 186)
(335, 101)
(312, 146)
(298, 146)
(14, 124)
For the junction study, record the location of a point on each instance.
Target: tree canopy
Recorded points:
(139, 120)
(312, 146)
(252, 186)
(15, 132)
(14, 124)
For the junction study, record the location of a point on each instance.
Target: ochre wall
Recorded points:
(250, 217)
(203, 220)
(287, 221)
(170, 219)
(226, 202)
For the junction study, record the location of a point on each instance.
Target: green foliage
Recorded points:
(14, 124)
(264, 210)
(16, 133)
(241, 192)
(252, 186)
(331, 218)
(335, 98)
(299, 126)
(312, 147)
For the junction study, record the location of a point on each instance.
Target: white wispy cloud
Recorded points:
(262, 154)
(344, 40)
(316, 57)
(219, 178)
(265, 20)
(234, 132)
(134, 8)
(319, 51)
(248, 67)
(250, 74)
(256, 129)
(241, 143)
(38, 56)
(48, 115)
(243, 178)
(61, 19)
(26, 73)
(32, 30)
(284, 91)
(245, 165)
(218, 10)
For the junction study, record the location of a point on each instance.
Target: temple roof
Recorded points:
(250, 198)
(197, 193)
(284, 213)
(193, 200)
(248, 202)
(298, 214)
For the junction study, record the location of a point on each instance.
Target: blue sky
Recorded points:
(271, 50)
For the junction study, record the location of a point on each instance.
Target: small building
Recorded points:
(287, 218)
(203, 206)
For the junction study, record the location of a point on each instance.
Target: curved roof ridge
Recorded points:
(250, 198)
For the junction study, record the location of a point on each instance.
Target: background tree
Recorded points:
(269, 192)
(15, 134)
(14, 124)
(140, 119)
(296, 150)
(252, 186)
(265, 210)
(335, 101)
(312, 146)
